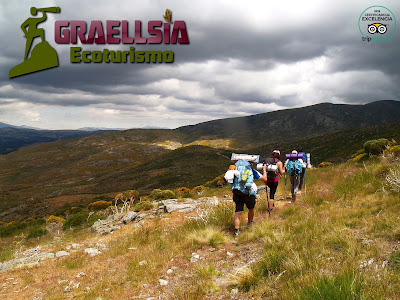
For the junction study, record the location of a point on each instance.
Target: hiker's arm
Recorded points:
(23, 26)
(280, 167)
(43, 18)
(264, 176)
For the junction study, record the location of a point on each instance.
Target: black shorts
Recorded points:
(272, 189)
(241, 200)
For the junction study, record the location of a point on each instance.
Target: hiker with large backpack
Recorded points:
(241, 179)
(271, 178)
(294, 166)
(304, 170)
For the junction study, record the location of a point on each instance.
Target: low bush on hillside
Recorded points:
(158, 194)
(75, 220)
(54, 219)
(325, 164)
(36, 231)
(218, 182)
(376, 147)
(99, 205)
(124, 201)
(181, 191)
(198, 190)
(10, 229)
(143, 205)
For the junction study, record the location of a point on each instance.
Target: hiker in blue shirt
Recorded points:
(294, 177)
(300, 150)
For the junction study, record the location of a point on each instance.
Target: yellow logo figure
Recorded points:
(168, 16)
(43, 56)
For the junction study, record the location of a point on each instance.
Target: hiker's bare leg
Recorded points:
(41, 33)
(28, 47)
(237, 219)
(271, 204)
(250, 216)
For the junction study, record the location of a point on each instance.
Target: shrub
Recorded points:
(35, 222)
(99, 205)
(325, 164)
(36, 232)
(75, 220)
(54, 219)
(11, 228)
(74, 210)
(376, 147)
(198, 190)
(126, 199)
(218, 181)
(181, 191)
(360, 157)
(158, 194)
(143, 205)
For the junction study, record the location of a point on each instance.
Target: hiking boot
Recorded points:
(237, 232)
(250, 223)
(294, 197)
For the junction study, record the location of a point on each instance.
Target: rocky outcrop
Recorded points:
(171, 205)
(28, 258)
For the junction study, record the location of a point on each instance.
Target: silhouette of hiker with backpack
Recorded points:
(42, 56)
(294, 166)
(32, 24)
(271, 178)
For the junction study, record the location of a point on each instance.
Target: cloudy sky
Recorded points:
(244, 57)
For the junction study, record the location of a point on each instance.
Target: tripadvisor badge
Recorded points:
(43, 56)
(377, 23)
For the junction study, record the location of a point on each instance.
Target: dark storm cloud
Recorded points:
(287, 58)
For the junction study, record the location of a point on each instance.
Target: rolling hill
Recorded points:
(40, 178)
(13, 138)
(295, 123)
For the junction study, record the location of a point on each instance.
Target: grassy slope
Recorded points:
(335, 147)
(68, 171)
(312, 249)
(70, 166)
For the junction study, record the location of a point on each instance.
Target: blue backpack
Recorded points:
(242, 184)
(294, 167)
(305, 159)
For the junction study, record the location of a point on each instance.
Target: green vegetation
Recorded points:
(143, 205)
(36, 232)
(75, 220)
(98, 205)
(158, 194)
(376, 147)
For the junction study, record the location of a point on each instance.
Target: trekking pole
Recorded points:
(269, 211)
(305, 183)
(285, 186)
